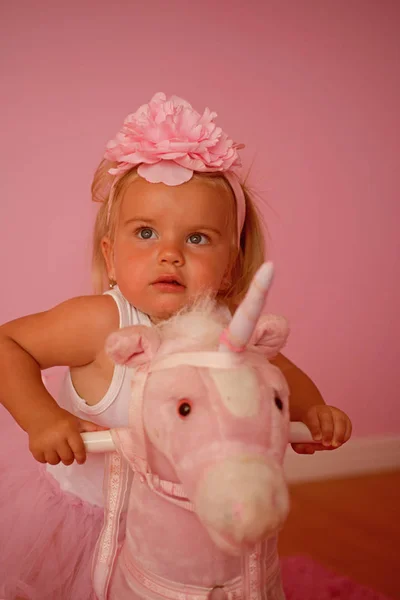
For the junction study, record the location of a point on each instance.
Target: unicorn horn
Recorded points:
(237, 335)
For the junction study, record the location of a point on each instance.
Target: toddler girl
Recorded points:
(175, 222)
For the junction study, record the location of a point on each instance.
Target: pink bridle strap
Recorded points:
(208, 360)
(169, 490)
(117, 475)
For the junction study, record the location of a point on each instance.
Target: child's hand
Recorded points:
(56, 437)
(329, 426)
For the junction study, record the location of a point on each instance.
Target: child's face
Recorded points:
(171, 244)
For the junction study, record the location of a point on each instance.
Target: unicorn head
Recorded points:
(211, 413)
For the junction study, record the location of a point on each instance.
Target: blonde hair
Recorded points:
(248, 257)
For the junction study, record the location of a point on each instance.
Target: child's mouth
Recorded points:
(168, 284)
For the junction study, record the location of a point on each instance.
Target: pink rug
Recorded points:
(304, 579)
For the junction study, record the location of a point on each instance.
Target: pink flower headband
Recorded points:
(170, 141)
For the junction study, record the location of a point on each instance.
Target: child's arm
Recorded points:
(71, 334)
(329, 425)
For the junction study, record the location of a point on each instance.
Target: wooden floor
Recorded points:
(351, 526)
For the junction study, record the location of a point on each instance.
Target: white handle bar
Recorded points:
(101, 441)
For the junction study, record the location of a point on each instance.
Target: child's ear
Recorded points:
(107, 250)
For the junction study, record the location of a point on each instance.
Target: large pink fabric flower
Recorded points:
(170, 140)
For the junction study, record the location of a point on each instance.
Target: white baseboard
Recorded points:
(359, 456)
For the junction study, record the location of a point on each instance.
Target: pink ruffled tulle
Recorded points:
(47, 536)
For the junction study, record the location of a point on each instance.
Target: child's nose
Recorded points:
(171, 254)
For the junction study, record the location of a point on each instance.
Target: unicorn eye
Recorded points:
(278, 402)
(184, 408)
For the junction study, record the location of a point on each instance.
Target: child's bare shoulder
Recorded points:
(72, 333)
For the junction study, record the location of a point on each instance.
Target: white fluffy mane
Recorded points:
(197, 327)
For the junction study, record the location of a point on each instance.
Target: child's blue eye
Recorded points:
(198, 239)
(145, 233)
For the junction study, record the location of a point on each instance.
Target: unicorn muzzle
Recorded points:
(241, 501)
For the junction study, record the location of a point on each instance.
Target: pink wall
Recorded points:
(311, 87)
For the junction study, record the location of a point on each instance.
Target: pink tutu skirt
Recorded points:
(47, 536)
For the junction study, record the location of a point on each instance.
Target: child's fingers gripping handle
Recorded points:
(101, 441)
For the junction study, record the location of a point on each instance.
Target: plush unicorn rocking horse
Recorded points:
(198, 472)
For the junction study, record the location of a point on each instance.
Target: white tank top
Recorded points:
(86, 481)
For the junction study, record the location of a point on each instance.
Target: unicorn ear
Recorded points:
(133, 346)
(270, 335)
